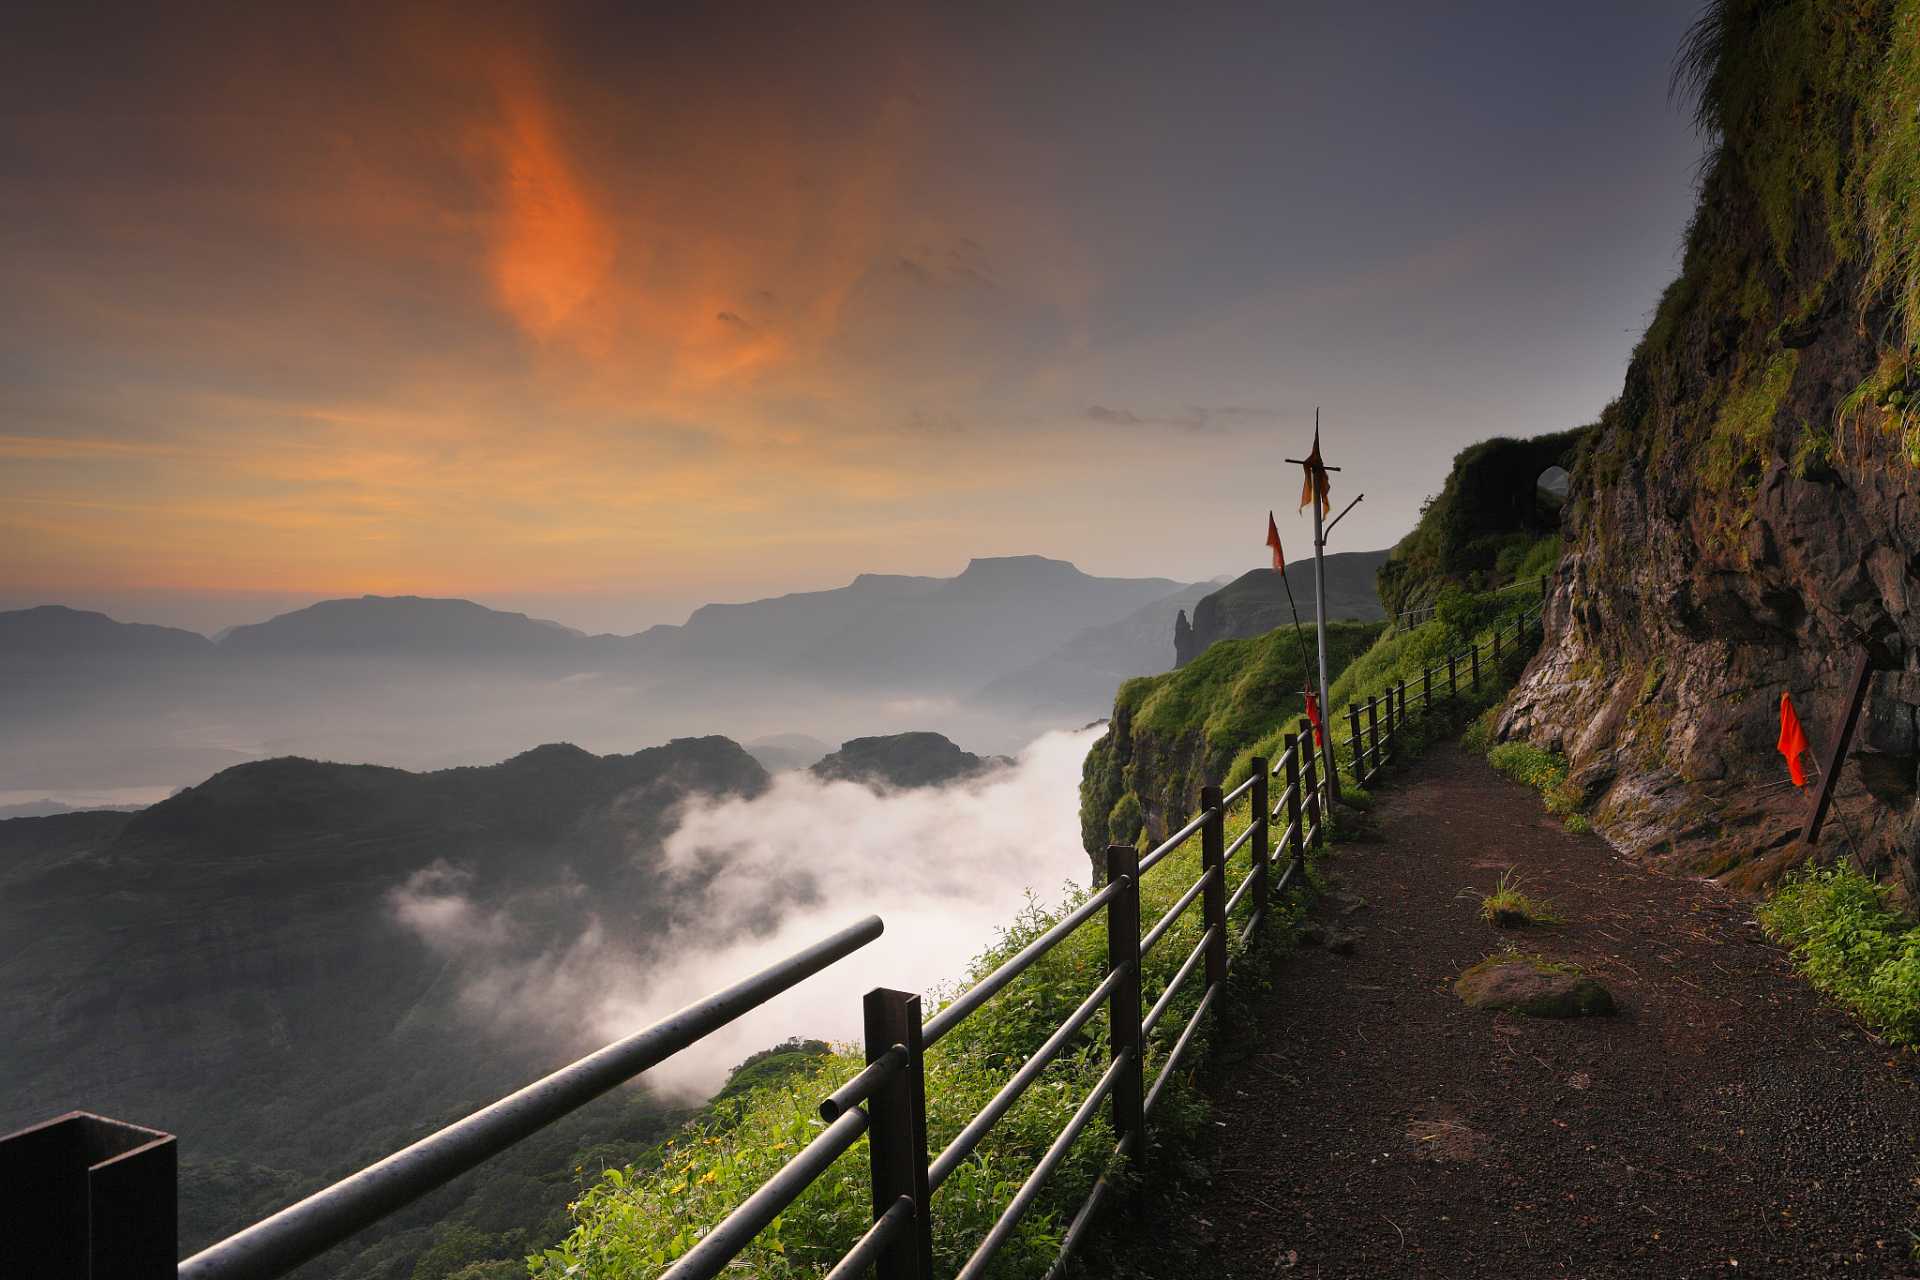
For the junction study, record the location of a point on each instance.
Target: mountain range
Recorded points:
(95, 712)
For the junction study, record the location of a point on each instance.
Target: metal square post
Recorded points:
(1258, 813)
(897, 1133)
(1294, 833)
(88, 1198)
(1213, 847)
(1123, 1006)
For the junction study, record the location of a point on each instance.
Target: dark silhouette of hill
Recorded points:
(54, 637)
(768, 633)
(402, 627)
(1000, 615)
(904, 760)
(1256, 602)
(229, 965)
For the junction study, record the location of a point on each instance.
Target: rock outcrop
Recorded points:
(1750, 495)
(904, 760)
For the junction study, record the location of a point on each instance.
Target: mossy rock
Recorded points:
(1533, 988)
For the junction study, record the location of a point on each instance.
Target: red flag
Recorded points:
(1316, 481)
(1313, 717)
(1793, 740)
(1273, 540)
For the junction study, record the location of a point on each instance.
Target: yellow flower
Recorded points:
(678, 1186)
(712, 1174)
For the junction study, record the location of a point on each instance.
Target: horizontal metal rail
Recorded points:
(962, 1146)
(861, 1087)
(1177, 910)
(1280, 802)
(985, 989)
(1030, 1189)
(1179, 1048)
(1179, 980)
(718, 1247)
(1253, 922)
(1174, 841)
(306, 1230)
(1242, 838)
(875, 1242)
(1083, 1220)
(1246, 882)
(1227, 800)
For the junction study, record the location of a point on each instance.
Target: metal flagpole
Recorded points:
(1331, 765)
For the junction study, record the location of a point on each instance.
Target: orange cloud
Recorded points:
(555, 248)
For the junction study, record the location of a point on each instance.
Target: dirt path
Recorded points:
(1725, 1122)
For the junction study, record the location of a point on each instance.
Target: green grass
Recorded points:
(1852, 944)
(1546, 772)
(1509, 907)
(636, 1220)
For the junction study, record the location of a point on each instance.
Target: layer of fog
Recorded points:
(755, 880)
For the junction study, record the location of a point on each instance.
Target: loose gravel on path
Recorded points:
(1725, 1122)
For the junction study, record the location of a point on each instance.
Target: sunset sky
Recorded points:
(601, 311)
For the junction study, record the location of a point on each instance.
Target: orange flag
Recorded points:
(1793, 740)
(1273, 540)
(1316, 480)
(1313, 718)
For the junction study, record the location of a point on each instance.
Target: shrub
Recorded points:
(1853, 944)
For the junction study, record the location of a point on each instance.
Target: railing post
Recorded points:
(1213, 848)
(1402, 695)
(897, 1133)
(1359, 745)
(1296, 844)
(83, 1196)
(1123, 1006)
(1310, 778)
(1373, 736)
(1476, 668)
(1261, 838)
(1395, 714)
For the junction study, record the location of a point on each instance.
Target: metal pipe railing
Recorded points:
(985, 989)
(962, 1146)
(736, 1231)
(1030, 1189)
(1174, 841)
(1161, 1005)
(1179, 1048)
(1174, 912)
(304, 1231)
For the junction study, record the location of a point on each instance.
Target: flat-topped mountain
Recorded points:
(1000, 615)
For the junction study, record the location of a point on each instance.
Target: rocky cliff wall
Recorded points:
(1752, 490)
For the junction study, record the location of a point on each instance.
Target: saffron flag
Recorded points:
(1273, 540)
(1316, 482)
(1793, 740)
(1313, 717)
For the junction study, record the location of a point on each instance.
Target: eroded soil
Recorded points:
(1726, 1121)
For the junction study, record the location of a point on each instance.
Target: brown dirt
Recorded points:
(1726, 1121)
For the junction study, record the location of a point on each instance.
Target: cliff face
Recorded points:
(1751, 492)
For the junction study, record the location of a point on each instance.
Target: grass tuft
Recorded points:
(1508, 907)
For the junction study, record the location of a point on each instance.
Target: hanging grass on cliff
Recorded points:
(1173, 733)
